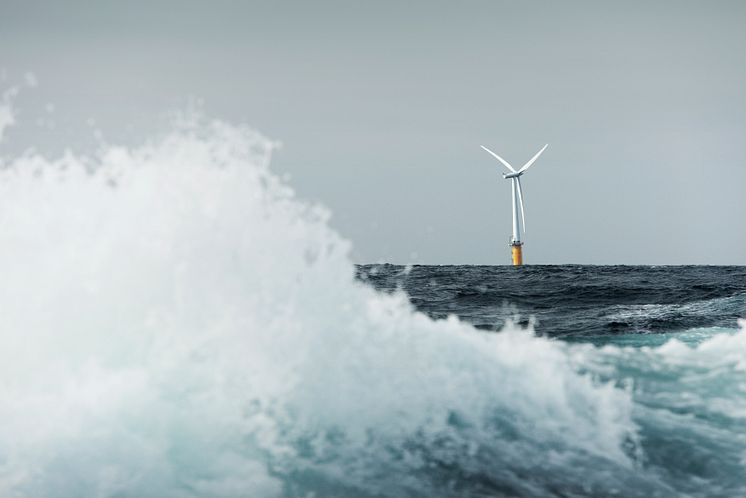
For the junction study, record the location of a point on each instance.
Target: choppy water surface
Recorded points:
(175, 322)
(667, 335)
(601, 304)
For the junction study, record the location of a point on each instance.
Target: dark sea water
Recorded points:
(599, 304)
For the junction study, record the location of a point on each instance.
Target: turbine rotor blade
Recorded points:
(531, 161)
(499, 159)
(520, 199)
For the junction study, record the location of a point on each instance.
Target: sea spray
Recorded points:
(175, 322)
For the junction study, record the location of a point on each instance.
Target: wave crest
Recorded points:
(177, 323)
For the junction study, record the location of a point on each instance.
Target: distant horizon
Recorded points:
(541, 264)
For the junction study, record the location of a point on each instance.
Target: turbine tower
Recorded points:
(519, 224)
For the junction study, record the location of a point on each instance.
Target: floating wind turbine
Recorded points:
(519, 225)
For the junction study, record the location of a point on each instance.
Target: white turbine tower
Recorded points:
(519, 224)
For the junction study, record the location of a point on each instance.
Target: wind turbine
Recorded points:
(519, 225)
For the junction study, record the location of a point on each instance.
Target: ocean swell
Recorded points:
(175, 322)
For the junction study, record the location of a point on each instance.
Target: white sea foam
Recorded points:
(176, 323)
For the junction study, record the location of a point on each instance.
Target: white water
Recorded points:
(176, 323)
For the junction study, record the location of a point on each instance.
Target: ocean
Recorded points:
(669, 335)
(622, 305)
(178, 322)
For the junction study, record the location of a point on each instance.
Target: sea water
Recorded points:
(176, 322)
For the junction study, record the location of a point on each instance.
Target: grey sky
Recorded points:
(382, 106)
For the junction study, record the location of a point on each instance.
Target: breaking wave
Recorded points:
(175, 322)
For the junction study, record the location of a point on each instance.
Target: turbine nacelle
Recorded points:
(512, 175)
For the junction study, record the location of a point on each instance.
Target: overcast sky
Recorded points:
(381, 108)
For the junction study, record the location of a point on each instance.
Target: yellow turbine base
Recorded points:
(517, 252)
